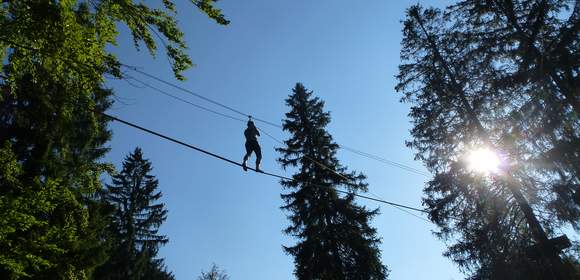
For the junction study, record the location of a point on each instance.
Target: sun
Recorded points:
(483, 160)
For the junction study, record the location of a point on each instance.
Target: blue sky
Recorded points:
(347, 52)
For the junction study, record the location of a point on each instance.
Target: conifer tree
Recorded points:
(214, 273)
(490, 74)
(335, 240)
(136, 220)
(50, 225)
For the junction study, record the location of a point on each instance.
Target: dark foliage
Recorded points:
(51, 227)
(55, 55)
(492, 73)
(135, 223)
(335, 240)
(214, 273)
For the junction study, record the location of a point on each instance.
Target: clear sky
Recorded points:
(347, 52)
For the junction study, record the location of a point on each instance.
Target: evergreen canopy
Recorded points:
(501, 75)
(335, 240)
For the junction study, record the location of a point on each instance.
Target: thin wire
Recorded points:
(184, 100)
(309, 158)
(342, 176)
(361, 153)
(412, 214)
(389, 162)
(199, 95)
(241, 120)
(261, 130)
(265, 173)
(398, 206)
(378, 199)
(267, 134)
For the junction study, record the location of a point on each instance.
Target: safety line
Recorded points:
(262, 172)
(397, 206)
(323, 166)
(386, 161)
(238, 119)
(346, 179)
(311, 159)
(184, 100)
(199, 95)
(352, 150)
(280, 142)
(412, 214)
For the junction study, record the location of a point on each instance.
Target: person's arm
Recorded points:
(257, 131)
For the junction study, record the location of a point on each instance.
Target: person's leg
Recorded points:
(258, 152)
(248, 153)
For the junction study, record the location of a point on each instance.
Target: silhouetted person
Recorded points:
(252, 145)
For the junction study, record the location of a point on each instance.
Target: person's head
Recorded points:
(250, 123)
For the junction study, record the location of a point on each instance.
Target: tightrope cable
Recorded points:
(349, 149)
(260, 172)
(346, 180)
(241, 120)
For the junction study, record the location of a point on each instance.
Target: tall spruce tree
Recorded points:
(138, 215)
(486, 74)
(335, 240)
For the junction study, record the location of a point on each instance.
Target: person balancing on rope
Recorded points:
(252, 145)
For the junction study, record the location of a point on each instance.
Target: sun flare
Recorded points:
(484, 161)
